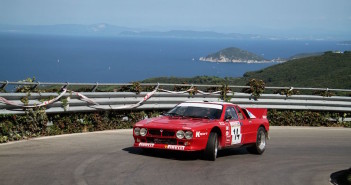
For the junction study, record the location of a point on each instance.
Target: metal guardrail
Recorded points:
(162, 100)
(96, 84)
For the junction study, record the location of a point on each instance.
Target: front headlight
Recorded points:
(137, 131)
(188, 134)
(143, 132)
(180, 134)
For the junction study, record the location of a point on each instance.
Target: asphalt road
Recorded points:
(294, 155)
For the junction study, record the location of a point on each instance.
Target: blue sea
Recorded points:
(126, 59)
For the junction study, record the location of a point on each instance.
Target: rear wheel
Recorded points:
(260, 146)
(211, 147)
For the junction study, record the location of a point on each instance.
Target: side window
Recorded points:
(231, 112)
(246, 113)
(239, 113)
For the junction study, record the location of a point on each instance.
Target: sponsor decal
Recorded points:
(149, 145)
(234, 123)
(264, 117)
(227, 128)
(221, 123)
(193, 104)
(199, 134)
(174, 147)
(227, 133)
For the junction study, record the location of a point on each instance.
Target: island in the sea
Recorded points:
(237, 55)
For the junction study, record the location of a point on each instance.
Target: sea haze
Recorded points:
(125, 59)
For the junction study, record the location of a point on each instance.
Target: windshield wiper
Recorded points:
(206, 117)
(186, 116)
(199, 117)
(194, 117)
(172, 114)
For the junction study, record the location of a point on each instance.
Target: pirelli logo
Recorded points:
(149, 145)
(175, 147)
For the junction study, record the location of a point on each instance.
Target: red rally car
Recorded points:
(206, 126)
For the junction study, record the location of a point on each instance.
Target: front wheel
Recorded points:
(260, 146)
(211, 147)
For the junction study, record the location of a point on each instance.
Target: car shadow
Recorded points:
(165, 154)
(181, 155)
(232, 151)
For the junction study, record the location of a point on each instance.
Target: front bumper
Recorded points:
(166, 139)
(168, 147)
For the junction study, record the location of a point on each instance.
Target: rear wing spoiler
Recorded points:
(256, 113)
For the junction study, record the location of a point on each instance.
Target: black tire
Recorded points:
(211, 150)
(260, 146)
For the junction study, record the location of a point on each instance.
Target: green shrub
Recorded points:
(35, 123)
(224, 91)
(307, 118)
(256, 88)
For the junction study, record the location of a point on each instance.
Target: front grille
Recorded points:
(161, 141)
(155, 132)
(168, 133)
(164, 133)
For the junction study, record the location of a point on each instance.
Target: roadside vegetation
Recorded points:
(38, 123)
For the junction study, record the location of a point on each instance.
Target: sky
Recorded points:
(267, 17)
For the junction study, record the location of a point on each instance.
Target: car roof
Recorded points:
(208, 102)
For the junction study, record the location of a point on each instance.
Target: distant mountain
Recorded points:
(104, 29)
(193, 34)
(66, 29)
(235, 55)
(111, 30)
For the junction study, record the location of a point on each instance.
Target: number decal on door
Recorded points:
(235, 132)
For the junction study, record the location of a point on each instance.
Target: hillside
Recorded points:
(233, 54)
(194, 80)
(305, 55)
(332, 70)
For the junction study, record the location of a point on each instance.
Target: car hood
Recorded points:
(167, 122)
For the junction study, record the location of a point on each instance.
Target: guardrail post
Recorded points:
(35, 86)
(65, 86)
(95, 87)
(4, 85)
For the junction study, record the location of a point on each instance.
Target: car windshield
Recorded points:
(196, 110)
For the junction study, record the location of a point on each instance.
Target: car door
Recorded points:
(246, 126)
(233, 127)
